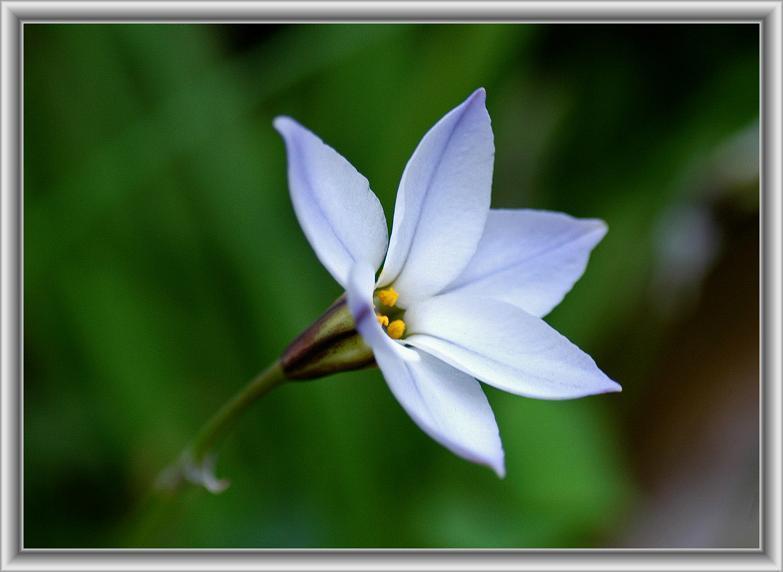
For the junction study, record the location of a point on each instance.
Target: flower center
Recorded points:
(387, 313)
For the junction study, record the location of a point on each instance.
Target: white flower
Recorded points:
(463, 288)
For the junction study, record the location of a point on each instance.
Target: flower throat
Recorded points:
(387, 313)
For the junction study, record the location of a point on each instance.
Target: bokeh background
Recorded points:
(164, 267)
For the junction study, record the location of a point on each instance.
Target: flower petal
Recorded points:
(447, 404)
(442, 203)
(504, 346)
(529, 258)
(341, 217)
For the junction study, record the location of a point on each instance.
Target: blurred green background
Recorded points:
(164, 267)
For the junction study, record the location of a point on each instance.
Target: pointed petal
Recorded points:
(447, 404)
(341, 217)
(529, 258)
(442, 203)
(504, 346)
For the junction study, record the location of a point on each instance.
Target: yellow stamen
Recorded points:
(396, 329)
(388, 296)
(382, 320)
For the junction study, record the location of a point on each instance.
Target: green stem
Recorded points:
(194, 464)
(227, 415)
(330, 345)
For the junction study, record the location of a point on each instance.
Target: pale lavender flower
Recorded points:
(463, 288)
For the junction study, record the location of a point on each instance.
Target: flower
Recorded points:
(463, 287)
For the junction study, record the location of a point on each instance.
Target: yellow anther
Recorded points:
(382, 320)
(396, 329)
(388, 296)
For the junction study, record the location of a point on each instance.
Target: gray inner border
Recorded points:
(13, 16)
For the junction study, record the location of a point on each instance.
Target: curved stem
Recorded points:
(195, 463)
(330, 345)
(225, 417)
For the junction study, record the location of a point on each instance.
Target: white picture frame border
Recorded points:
(15, 14)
